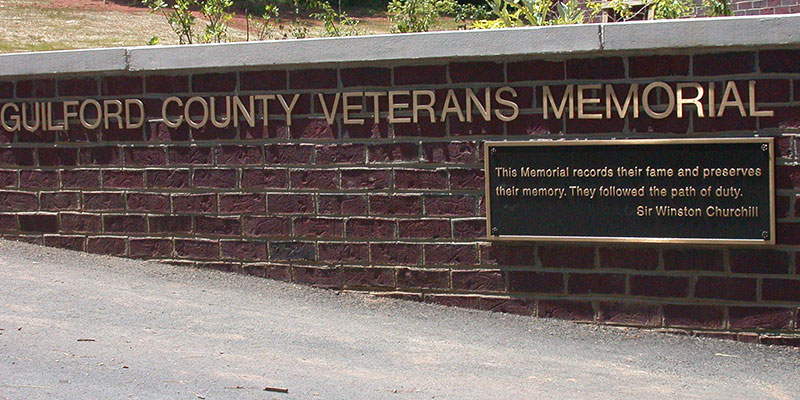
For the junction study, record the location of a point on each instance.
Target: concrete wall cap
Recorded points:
(544, 42)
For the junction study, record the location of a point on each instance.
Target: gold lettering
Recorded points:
(416, 106)
(583, 101)
(558, 111)
(498, 96)
(692, 100)
(352, 107)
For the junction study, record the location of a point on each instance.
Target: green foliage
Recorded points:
(467, 11)
(513, 13)
(264, 29)
(217, 13)
(335, 24)
(671, 9)
(717, 8)
(179, 17)
(417, 15)
(153, 41)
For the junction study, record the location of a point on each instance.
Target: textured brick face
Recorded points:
(399, 208)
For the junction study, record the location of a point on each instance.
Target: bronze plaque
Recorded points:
(660, 190)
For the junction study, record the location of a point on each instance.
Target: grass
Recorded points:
(38, 25)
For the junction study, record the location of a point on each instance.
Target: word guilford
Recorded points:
(590, 101)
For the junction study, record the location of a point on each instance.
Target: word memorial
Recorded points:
(665, 190)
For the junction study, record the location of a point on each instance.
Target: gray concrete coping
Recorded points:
(545, 42)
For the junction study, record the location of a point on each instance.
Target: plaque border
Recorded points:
(769, 141)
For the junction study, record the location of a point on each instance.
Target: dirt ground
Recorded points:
(37, 25)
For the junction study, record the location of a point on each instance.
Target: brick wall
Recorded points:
(399, 210)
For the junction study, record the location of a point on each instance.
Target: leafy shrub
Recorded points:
(513, 13)
(179, 17)
(417, 15)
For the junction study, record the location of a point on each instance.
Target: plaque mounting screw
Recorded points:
(494, 230)
(764, 147)
(494, 150)
(765, 235)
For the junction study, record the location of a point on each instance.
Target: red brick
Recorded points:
(424, 228)
(167, 178)
(312, 128)
(230, 266)
(38, 179)
(38, 136)
(693, 316)
(244, 250)
(6, 90)
(280, 272)
(715, 287)
(9, 222)
(217, 226)
(145, 156)
(314, 179)
(661, 65)
(724, 63)
(471, 179)
(189, 155)
(344, 252)
(150, 248)
(782, 207)
(453, 152)
(120, 85)
(262, 80)
(288, 153)
(318, 277)
(197, 249)
(478, 126)
(342, 205)
(399, 253)
(368, 228)
(535, 282)
(318, 227)
(420, 179)
(365, 179)
(422, 279)
(214, 178)
(18, 201)
(77, 243)
(36, 88)
(760, 261)
(30, 239)
(760, 318)
(104, 201)
(693, 260)
(659, 286)
(787, 176)
(535, 70)
(451, 254)
(80, 179)
(784, 118)
(265, 226)
(47, 223)
(774, 289)
(420, 74)
(340, 154)
(291, 251)
(59, 201)
(595, 126)
(108, 155)
(476, 72)
(730, 121)
(313, 79)
(566, 257)
(566, 309)
(238, 155)
(20, 157)
(123, 179)
(510, 306)
(393, 152)
(216, 82)
(779, 61)
(449, 300)
(366, 77)
(80, 223)
(469, 229)
(596, 68)
(424, 128)
(395, 205)
(49, 157)
(603, 283)
(106, 245)
(170, 224)
(368, 277)
(775, 340)
(290, 203)
(242, 203)
(628, 258)
(194, 203)
(369, 129)
(210, 132)
(271, 178)
(167, 84)
(478, 281)
(9, 178)
(124, 224)
(77, 87)
(645, 124)
(636, 314)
